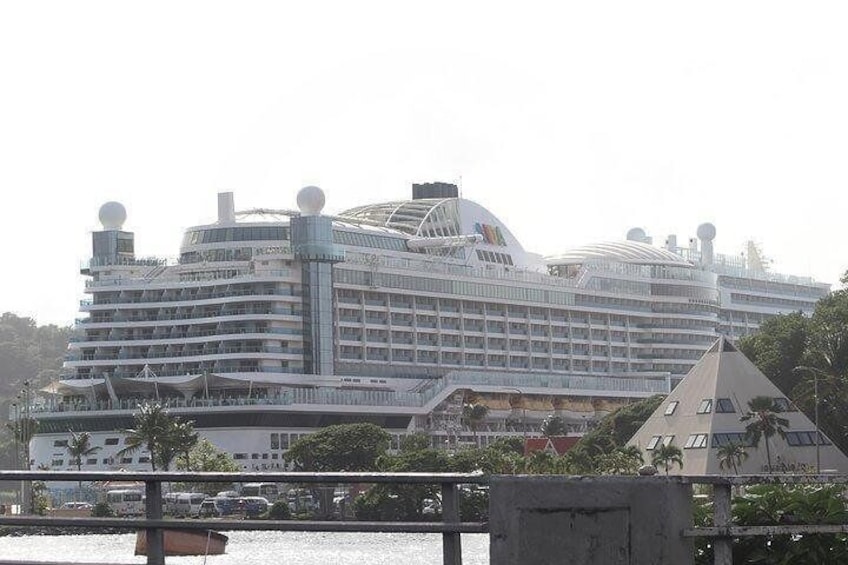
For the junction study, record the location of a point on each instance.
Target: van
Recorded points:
(265, 490)
(188, 504)
(126, 502)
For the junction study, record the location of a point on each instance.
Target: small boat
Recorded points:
(186, 542)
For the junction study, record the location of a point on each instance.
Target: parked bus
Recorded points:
(265, 490)
(126, 502)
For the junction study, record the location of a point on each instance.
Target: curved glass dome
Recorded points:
(426, 217)
(631, 252)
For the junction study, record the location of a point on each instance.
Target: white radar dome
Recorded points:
(113, 215)
(310, 200)
(636, 234)
(706, 231)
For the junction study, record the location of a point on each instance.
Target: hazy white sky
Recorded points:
(573, 122)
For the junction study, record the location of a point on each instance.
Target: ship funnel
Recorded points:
(706, 233)
(226, 208)
(671, 243)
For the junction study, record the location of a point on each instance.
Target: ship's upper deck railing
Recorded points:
(582, 385)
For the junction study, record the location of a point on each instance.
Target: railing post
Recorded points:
(451, 544)
(722, 517)
(153, 510)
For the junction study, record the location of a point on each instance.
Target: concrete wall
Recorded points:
(589, 520)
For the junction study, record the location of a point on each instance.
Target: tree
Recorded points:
(778, 347)
(204, 457)
(183, 439)
(79, 446)
(764, 422)
(553, 426)
(667, 456)
(474, 415)
(152, 425)
(731, 455)
(344, 447)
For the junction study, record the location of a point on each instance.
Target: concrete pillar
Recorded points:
(590, 520)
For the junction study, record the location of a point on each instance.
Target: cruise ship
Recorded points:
(273, 323)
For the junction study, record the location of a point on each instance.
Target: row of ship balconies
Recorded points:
(164, 298)
(224, 367)
(176, 351)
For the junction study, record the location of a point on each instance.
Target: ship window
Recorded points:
(239, 455)
(672, 406)
(706, 406)
(653, 443)
(144, 459)
(127, 460)
(60, 443)
(275, 441)
(724, 406)
(57, 462)
(111, 441)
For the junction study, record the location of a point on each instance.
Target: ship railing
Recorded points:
(192, 277)
(154, 523)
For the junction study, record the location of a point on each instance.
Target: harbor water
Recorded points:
(291, 548)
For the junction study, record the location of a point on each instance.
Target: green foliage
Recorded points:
(803, 504)
(508, 445)
(348, 447)
(102, 510)
(616, 429)
(553, 426)
(163, 435)
(79, 447)
(279, 511)
(667, 456)
(778, 348)
(204, 457)
(764, 422)
(731, 456)
(27, 353)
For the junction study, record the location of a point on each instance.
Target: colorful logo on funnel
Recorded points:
(491, 234)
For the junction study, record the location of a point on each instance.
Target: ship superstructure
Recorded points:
(273, 323)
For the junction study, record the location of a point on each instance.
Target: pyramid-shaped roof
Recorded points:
(703, 413)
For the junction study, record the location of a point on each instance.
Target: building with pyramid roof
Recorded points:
(703, 413)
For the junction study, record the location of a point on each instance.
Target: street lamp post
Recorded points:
(815, 372)
(523, 414)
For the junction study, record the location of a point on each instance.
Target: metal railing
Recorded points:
(723, 531)
(155, 524)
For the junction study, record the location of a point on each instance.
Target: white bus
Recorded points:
(265, 490)
(126, 502)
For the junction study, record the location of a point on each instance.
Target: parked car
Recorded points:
(253, 506)
(188, 504)
(217, 506)
(70, 505)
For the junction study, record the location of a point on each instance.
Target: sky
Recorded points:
(571, 121)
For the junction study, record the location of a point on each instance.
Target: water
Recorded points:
(291, 548)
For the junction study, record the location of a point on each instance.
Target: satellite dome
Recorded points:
(706, 231)
(636, 234)
(113, 215)
(310, 200)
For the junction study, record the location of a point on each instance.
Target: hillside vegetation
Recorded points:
(28, 352)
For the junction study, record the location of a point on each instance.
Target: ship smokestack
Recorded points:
(226, 208)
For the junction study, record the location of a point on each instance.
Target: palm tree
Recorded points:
(474, 414)
(184, 438)
(632, 453)
(79, 446)
(764, 422)
(152, 424)
(731, 454)
(667, 456)
(553, 426)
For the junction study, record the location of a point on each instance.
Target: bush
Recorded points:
(279, 511)
(102, 510)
